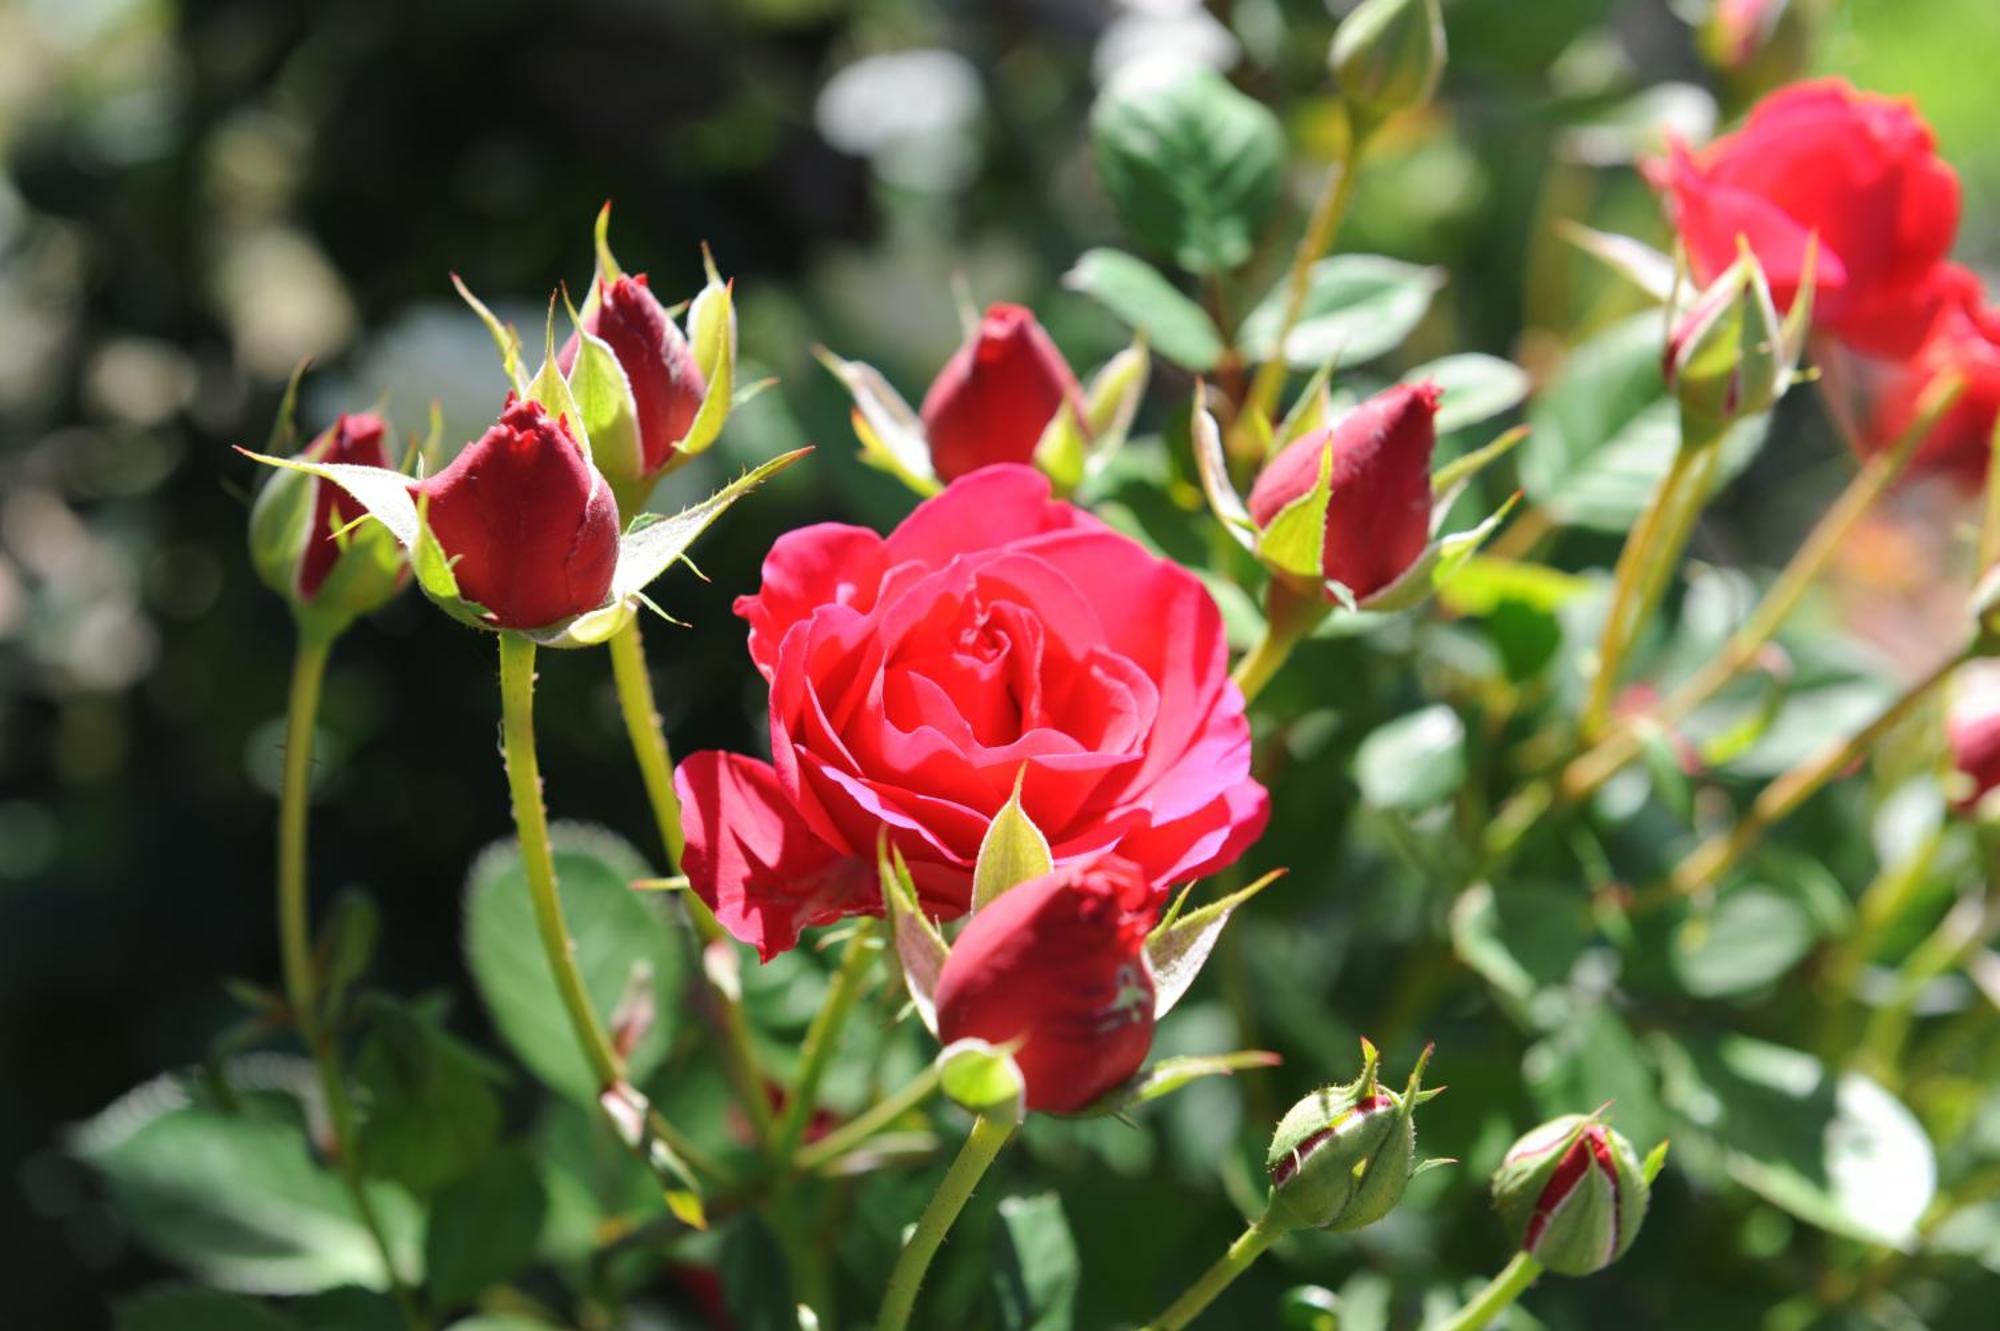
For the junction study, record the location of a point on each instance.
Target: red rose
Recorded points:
(1859, 170)
(1059, 964)
(996, 395)
(1965, 340)
(667, 385)
(530, 526)
(915, 677)
(1378, 520)
(354, 437)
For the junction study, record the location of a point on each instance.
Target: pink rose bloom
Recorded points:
(914, 677)
(1965, 340)
(1858, 170)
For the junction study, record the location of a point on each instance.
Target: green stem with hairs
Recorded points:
(1500, 1294)
(953, 1191)
(856, 1132)
(1249, 1246)
(295, 946)
(822, 1038)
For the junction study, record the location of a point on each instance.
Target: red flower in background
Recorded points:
(1378, 520)
(1858, 170)
(354, 437)
(1965, 340)
(1972, 732)
(996, 634)
(1058, 964)
(996, 394)
(667, 385)
(530, 526)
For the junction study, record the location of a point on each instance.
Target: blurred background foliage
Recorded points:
(194, 196)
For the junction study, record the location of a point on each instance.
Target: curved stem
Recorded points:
(531, 825)
(1261, 662)
(822, 1037)
(295, 946)
(1249, 1246)
(1498, 1296)
(1336, 191)
(855, 1133)
(1716, 856)
(1289, 615)
(987, 1137)
(656, 770)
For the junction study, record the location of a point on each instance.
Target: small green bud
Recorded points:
(1729, 355)
(1388, 55)
(1572, 1194)
(1342, 1156)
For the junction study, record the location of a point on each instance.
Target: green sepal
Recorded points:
(1294, 541)
(606, 411)
(1213, 466)
(983, 1078)
(711, 323)
(891, 434)
(1179, 947)
(1171, 1074)
(920, 948)
(1012, 852)
(1438, 565)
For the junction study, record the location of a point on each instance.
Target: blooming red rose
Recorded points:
(354, 437)
(1965, 340)
(529, 524)
(1858, 170)
(1058, 963)
(667, 384)
(996, 634)
(996, 395)
(1378, 520)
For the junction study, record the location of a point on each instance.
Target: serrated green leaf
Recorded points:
(1192, 165)
(1141, 296)
(614, 931)
(1358, 306)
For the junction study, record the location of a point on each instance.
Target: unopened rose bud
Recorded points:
(1572, 1194)
(1388, 55)
(667, 384)
(1058, 965)
(300, 535)
(1342, 1156)
(1378, 513)
(529, 525)
(1729, 356)
(1760, 44)
(996, 395)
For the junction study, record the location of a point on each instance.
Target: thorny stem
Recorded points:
(987, 1137)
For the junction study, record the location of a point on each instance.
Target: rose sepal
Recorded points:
(1073, 452)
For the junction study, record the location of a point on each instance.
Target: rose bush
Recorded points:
(996, 635)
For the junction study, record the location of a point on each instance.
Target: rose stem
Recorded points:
(1498, 1296)
(656, 770)
(856, 1131)
(1249, 1246)
(981, 1146)
(531, 824)
(1716, 856)
(1586, 773)
(822, 1037)
(295, 944)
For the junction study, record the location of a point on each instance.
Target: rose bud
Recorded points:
(299, 536)
(1572, 1194)
(1378, 518)
(667, 385)
(997, 394)
(1759, 43)
(1728, 355)
(529, 525)
(1387, 56)
(1972, 733)
(1965, 341)
(1342, 1156)
(1058, 964)
(1858, 172)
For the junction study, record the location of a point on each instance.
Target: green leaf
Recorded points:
(483, 1228)
(1178, 949)
(1012, 852)
(1603, 432)
(1414, 761)
(1358, 306)
(1520, 941)
(1192, 165)
(193, 1308)
(1476, 388)
(1834, 1149)
(979, 1076)
(432, 1113)
(1140, 294)
(1035, 1268)
(756, 1283)
(238, 1197)
(1747, 940)
(614, 930)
